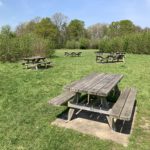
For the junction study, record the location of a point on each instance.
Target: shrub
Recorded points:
(72, 44)
(9, 49)
(94, 44)
(25, 44)
(15, 48)
(116, 44)
(134, 43)
(84, 43)
(104, 45)
(50, 48)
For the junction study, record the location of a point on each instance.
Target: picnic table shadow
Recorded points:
(109, 62)
(121, 126)
(43, 68)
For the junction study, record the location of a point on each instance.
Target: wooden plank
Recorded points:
(88, 108)
(70, 113)
(94, 90)
(91, 83)
(111, 122)
(128, 107)
(105, 82)
(118, 106)
(80, 84)
(110, 85)
(95, 83)
(28, 66)
(99, 84)
(66, 97)
(71, 85)
(61, 98)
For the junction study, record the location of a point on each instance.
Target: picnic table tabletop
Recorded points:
(96, 84)
(34, 59)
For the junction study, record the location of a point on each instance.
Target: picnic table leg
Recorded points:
(111, 122)
(71, 110)
(70, 113)
(46, 65)
(76, 98)
(36, 67)
(104, 102)
(116, 91)
(88, 100)
(123, 59)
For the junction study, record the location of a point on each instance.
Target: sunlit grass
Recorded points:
(25, 116)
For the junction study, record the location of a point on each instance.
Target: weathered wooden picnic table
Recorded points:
(73, 54)
(98, 85)
(36, 62)
(95, 88)
(112, 57)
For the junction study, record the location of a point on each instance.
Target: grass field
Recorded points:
(25, 115)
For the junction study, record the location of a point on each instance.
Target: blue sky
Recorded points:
(14, 12)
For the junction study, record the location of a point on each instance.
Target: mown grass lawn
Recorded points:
(25, 115)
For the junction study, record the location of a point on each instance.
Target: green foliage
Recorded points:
(76, 30)
(9, 46)
(135, 43)
(72, 44)
(46, 29)
(25, 44)
(41, 36)
(9, 49)
(50, 48)
(13, 48)
(26, 28)
(94, 44)
(104, 45)
(84, 43)
(6, 31)
(120, 28)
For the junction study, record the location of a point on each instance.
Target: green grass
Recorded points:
(25, 115)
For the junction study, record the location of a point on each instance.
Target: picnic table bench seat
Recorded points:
(37, 65)
(30, 66)
(123, 107)
(62, 99)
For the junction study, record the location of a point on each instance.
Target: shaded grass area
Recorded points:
(25, 115)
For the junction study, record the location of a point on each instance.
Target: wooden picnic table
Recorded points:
(36, 62)
(99, 85)
(112, 57)
(91, 94)
(96, 84)
(73, 54)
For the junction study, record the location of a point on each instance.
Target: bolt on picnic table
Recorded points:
(36, 62)
(91, 94)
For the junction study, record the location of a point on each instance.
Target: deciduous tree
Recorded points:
(76, 30)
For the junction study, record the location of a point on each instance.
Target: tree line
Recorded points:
(41, 36)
